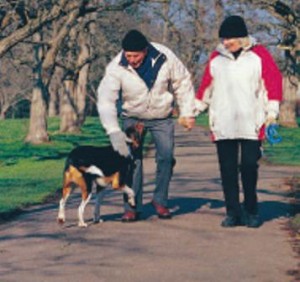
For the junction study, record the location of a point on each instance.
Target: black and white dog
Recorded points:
(96, 167)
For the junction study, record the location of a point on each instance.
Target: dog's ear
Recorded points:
(139, 126)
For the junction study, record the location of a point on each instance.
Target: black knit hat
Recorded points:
(233, 27)
(134, 41)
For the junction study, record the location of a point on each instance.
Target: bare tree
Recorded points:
(290, 43)
(15, 87)
(54, 90)
(38, 123)
(28, 24)
(72, 109)
(45, 13)
(83, 62)
(38, 117)
(19, 20)
(189, 29)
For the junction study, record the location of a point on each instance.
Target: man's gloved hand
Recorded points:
(118, 141)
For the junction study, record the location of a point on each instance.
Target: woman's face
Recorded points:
(232, 44)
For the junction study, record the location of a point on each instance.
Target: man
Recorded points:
(143, 74)
(242, 87)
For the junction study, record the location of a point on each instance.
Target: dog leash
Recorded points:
(272, 134)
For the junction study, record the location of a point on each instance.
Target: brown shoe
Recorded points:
(161, 211)
(129, 216)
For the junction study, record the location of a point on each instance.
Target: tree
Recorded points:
(38, 121)
(15, 87)
(74, 94)
(188, 30)
(45, 12)
(290, 43)
(28, 23)
(38, 117)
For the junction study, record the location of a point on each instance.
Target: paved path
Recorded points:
(190, 247)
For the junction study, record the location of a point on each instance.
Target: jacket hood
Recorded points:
(223, 51)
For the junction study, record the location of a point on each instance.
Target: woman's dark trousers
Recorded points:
(230, 166)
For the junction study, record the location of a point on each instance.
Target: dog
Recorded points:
(91, 167)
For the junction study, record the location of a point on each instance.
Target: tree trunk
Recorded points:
(298, 101)
(2, 115)
(53, 96)
(165, 36)
(54, 90)
(81, 88)
(4, 108)
(67, 110)
(38, 110)
(38, 119)
(38, 114)
(75, 92)
(55, 83)
(287, 116)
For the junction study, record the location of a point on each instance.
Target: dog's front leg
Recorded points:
(61, 212)
(131, 195)
(99, 199)
(81, 208)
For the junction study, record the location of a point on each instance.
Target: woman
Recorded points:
(242, 86)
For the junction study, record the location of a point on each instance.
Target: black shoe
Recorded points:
(232, 221)
(253, 221)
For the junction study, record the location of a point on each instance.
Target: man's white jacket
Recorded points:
(173, 79)
(240, 93)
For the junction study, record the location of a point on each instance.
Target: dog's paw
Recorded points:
(82, 224)
(131, 202)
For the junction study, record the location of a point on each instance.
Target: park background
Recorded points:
(54, 53)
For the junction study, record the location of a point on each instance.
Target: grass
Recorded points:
(286, 152)
(29, 174)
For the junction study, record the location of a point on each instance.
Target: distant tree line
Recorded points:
(53, 52)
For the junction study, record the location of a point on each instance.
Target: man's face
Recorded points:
(232, 44)
(135, 58)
